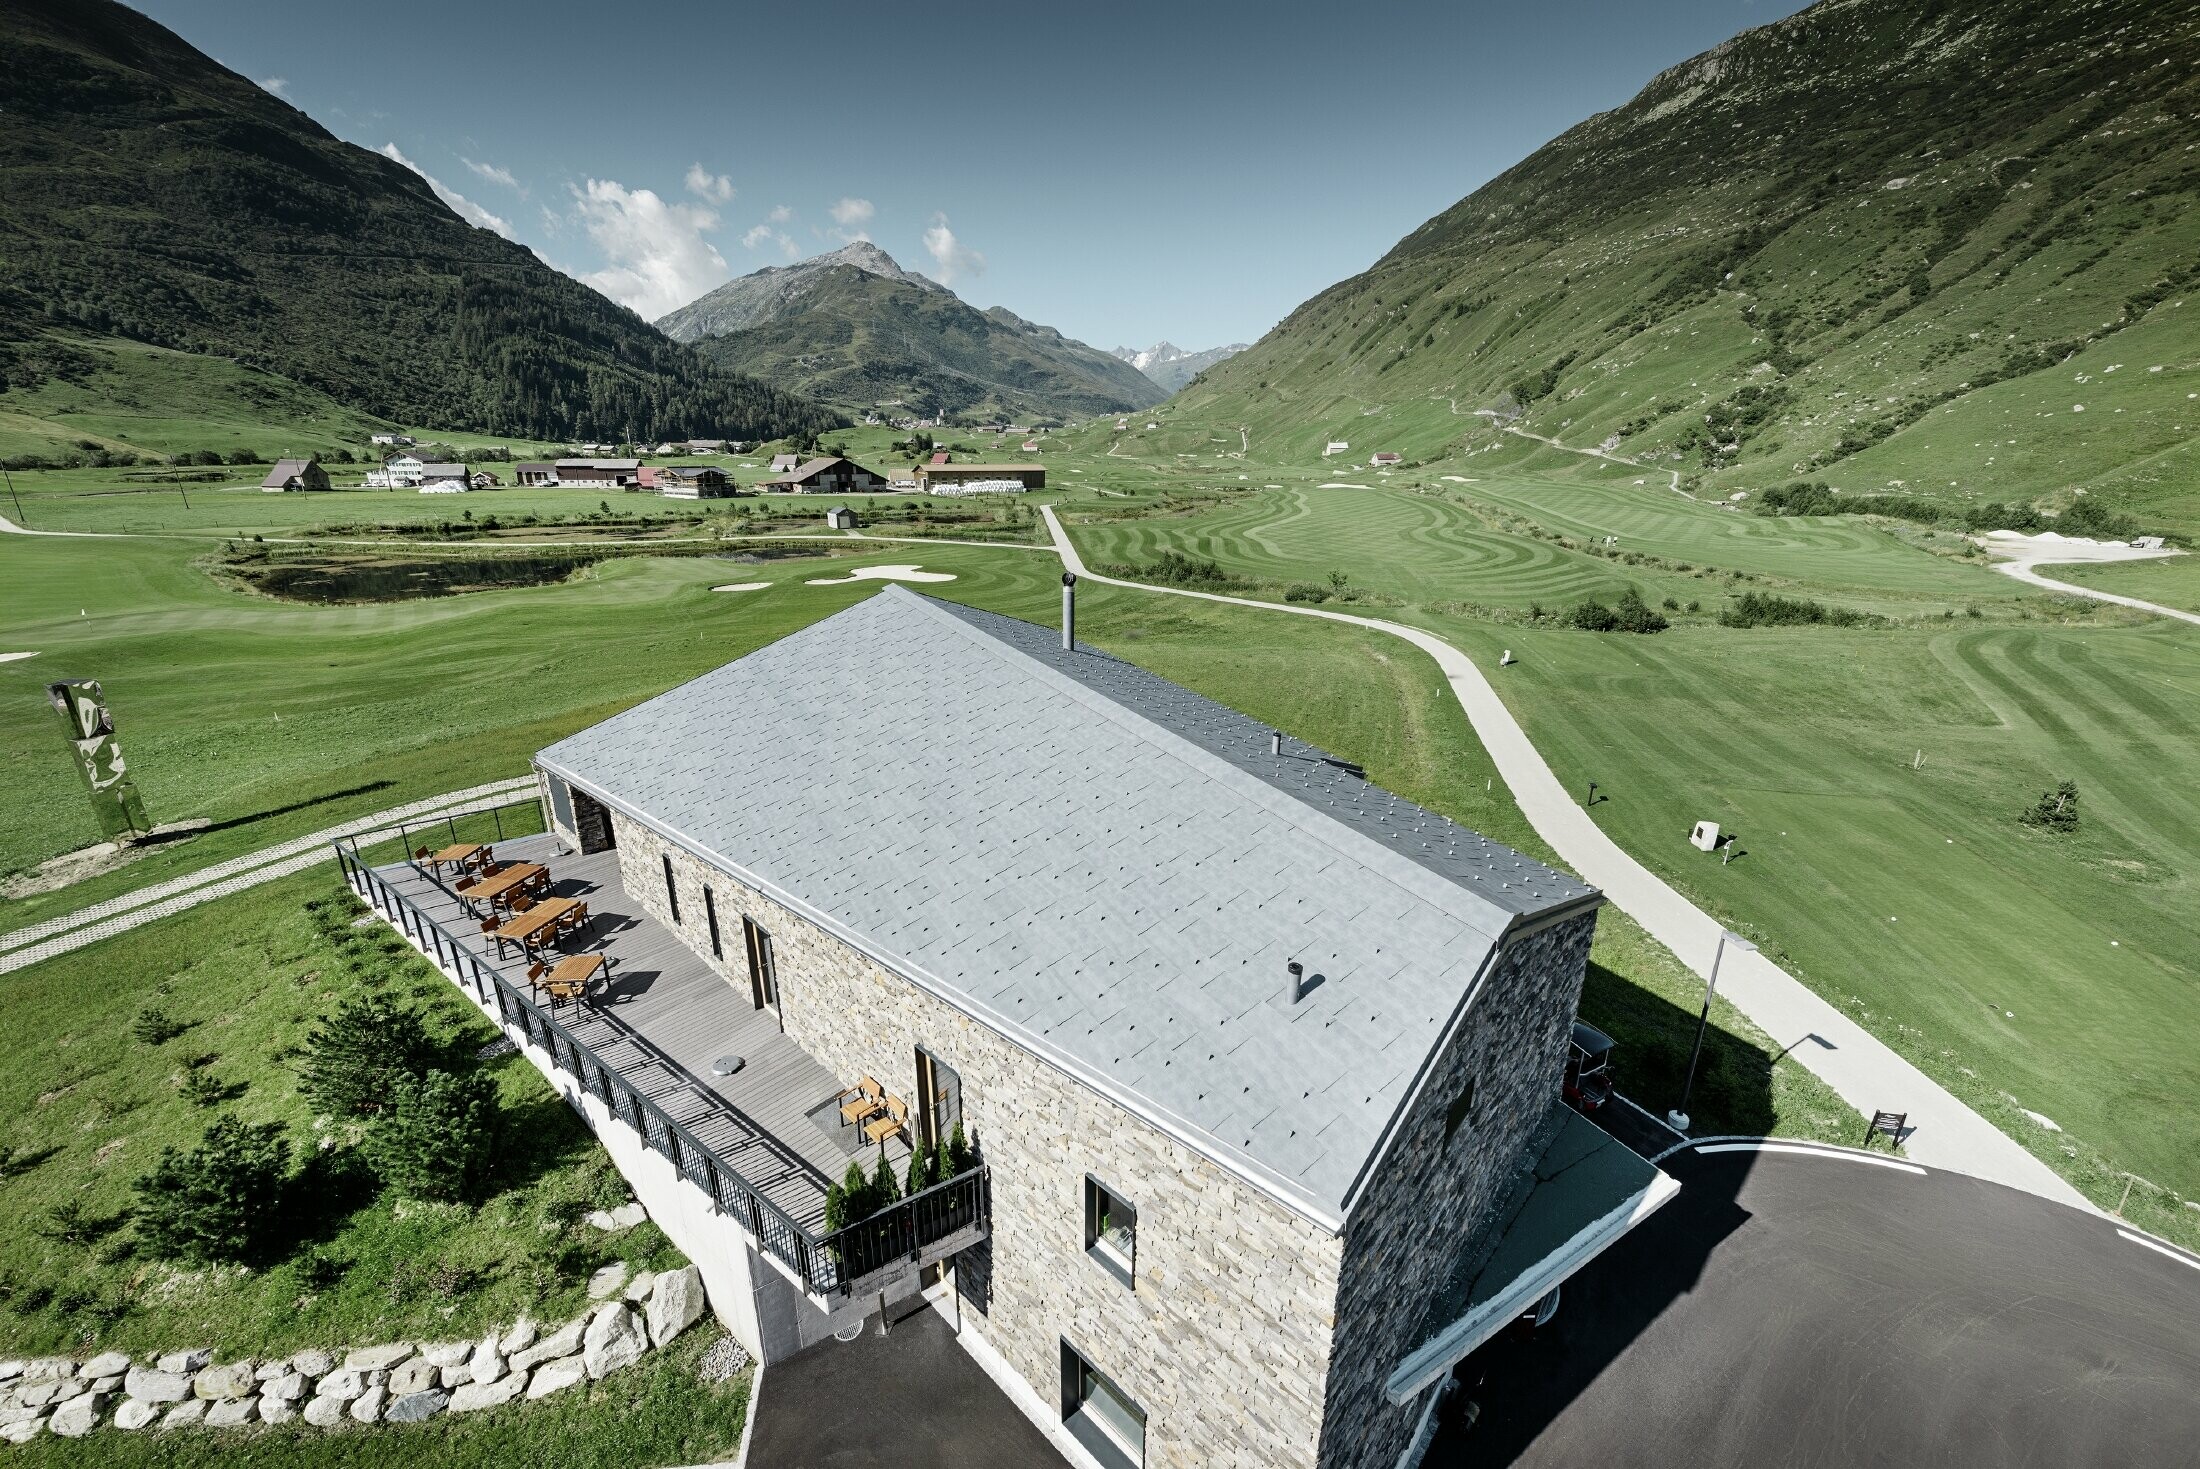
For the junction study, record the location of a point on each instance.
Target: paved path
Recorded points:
(25, 946)
(1866, 1073)
(2021, 569)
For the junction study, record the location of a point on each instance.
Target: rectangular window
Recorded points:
(672, 892)
(1100, 1415)
(561, 802)
(710, 915)
(763, 971)
(1111, 1231)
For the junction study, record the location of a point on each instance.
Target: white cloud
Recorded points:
(711, 188)
(763, 234)
(950, 256)
(849, 213)
(493, 174)
(780, 214)
(278, 85)
(658, 257)
(460, 205)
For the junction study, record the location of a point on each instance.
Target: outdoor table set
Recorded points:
(513, 903)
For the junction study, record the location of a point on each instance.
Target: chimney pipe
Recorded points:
(1275, 743)
(1294, 983)
(1069, 611)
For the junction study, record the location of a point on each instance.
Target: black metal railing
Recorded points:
(828, 1264)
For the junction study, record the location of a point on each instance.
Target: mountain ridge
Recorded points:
(1170, 366)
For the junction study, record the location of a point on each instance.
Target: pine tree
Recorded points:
(356, 1056)
(882, 1180)
(437, 1138)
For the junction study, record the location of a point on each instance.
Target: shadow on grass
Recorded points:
(311, 801)
(1733, 1091)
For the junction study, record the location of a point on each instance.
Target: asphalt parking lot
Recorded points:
(1818, 1311)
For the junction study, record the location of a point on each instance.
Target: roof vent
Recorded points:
(1294, 982)
(1275, 742)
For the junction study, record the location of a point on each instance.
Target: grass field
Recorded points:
(2171, 582)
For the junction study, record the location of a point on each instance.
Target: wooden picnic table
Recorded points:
(541, 923)
(568, 978)
(498, 891)
(462, 856)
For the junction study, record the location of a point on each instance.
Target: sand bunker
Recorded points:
(15, 657)
(1338, 484)
(2052, 546)
(882, 573)
(742, 586)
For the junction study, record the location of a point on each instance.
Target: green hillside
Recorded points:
(1943, 249)
(853, 329)
(149, 194)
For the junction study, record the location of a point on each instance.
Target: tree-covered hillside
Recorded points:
(1920, 244)
(148, 193)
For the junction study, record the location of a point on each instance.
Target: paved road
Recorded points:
(1820, 1311)
(2022, 570)
(1856, 1064)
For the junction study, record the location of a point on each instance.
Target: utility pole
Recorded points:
(1677, 1119)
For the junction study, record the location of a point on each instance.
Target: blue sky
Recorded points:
(1126, 173)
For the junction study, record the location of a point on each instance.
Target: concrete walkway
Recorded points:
(2022, 568)
(22, 947)
(1864, 1071)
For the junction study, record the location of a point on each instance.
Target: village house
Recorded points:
(396, 441)
(830, 475)
(402, 471)
(443, 479)
(785, 463)
(1335, 446)
(1383, 458)
(295, 474)
(482, 479)
(645, 478)
(694, 482)
(535, 474)
(980, 479)
(610, 474)
(1247, 1072)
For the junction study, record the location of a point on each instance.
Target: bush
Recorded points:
(220, 1201)
(1760, 609)
(2057, 810)
(1305, 591)
(202, 1088)
(1629, 614)
(155, 1026)
(437, 1138)
(355, 1058)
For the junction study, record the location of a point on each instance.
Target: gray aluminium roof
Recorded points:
(1106, 867)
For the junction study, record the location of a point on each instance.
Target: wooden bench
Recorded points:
(543, 923)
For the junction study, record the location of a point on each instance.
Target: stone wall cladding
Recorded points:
(1429, 1194)
(1225, 1342)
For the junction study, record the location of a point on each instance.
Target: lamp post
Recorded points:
(1678, 1117)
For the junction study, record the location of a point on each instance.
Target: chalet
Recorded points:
(940, 456)
(785, 463)
(295, 474)
(536, 474)
(830, 475)
(1265, 1060)
(402, 471)
(610, 474)
(1383, 458)
(694, 482)
(645, 478)
(482, 479)
(1030, 446)
(980, 479)
(443, 479)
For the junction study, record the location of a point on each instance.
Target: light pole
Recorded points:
(1678, 1117)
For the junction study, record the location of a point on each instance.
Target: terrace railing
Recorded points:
(830, 1264)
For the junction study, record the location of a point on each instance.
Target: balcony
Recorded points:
(763, 1143)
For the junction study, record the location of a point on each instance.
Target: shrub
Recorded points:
(919, 1178)
(884, 1188)
(437, 1138)
(202, 1088)
(355, 1057)
(1760, 609)
(2057, 810)
(1305, 591)
(221, 1200)
(155, 1026)
(1629, 614)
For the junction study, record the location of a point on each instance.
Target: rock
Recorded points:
(228, 1382)
(615, 1338)
(133, 1415)
(185, 1362)
(638, 1289)
(106, 1364)
(325, 1412)
(21, 1413)
(269, 1371)
(344, 1384)
(367, 1407)
(40, 1368)
(287, 1388)
(11, 1369)
(524, 1334)
(277, 1410)
(626, 1216)
(416, 1407)
(367, 1359)
(721, 1361)
(152, 1385)
(312, 1362)
(232, 1412)
(107, 1384)
(78, 1416)
(675, 1305)
(67, 1388)
(449, 1353)
(563, 1342)
(486, 1365)
(184, 1414)
(605, 1283)
(23, 1432)
(475, 1396)
(417, 1375)
(556, 1376)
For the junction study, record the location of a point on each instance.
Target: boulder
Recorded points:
(486, 1365)
(448, 1353)
(312, 1362)
(277, 1410)
(626, 1216)
(269, 1371)
(11, 1369)
(133, 1415)
(152, 1385)
(21, 1413)
(325, 1412)
(475, 1396)
(287, 1388)
(344, 1384)
(414, 1376)
(184, 1414)
(615, 1337)
(367, 1407)
(556, 1376)
(66, 1388)
(368, 1359)
(23, 1432)
(227, 1382)
(185, 1362)
(37, 1368)
(232, 1412)
(563, 1342)
(107, 1384)
(416, 1407)
(106, 1364)
(524, 1334)
(78, 1416)
(675, 1305)
(606, 1282)
(638, 1289)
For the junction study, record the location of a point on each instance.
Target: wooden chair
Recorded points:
(464, 883)
(535, 972)
(893, 1124)
(491, 924)
(521, 902)
(422, 854)
(860, 1102)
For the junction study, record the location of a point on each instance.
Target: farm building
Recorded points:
(830, 475)
(1384, 457)
(694, 482)
(482, 479)
(535, 475)
(980, 479)
(295, 474)
(443, 479)
(609, 474)
(785, 463)
(840, 517)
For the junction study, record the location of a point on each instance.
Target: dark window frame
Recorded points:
(763, 964)
(1084, 1426)
(710, 916)
(1106, 1253)
(672, 890)
(1461, 1110)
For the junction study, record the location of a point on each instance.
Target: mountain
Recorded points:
(1170, 366)
(855, 329)
(148, 193)
(1882, 243)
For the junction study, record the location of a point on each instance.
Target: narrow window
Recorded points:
(1461, 1108)
(710, 915)
(672, 892)
(1100, 1415)
(1111, 1231)
(763, 973)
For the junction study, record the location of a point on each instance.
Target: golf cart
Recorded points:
(1588, 1083)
